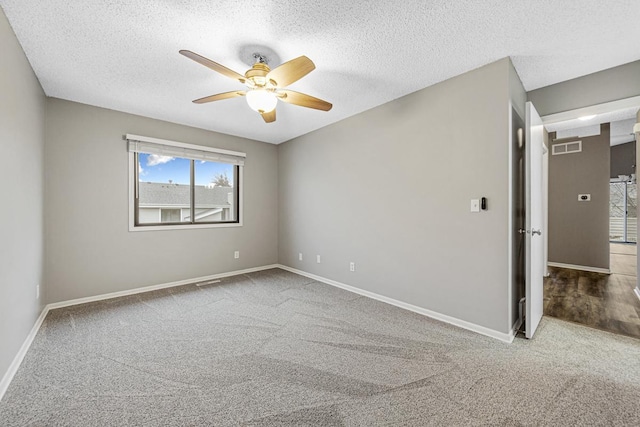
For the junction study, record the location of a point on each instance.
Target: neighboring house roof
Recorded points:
(160, 195)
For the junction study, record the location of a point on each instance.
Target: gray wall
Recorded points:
(623, 159)
(517, 93)
(21, 217)
(89, 248)
(579, 231)
(390, 188)
(597, 88)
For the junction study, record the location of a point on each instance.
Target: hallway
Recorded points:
(603, 301)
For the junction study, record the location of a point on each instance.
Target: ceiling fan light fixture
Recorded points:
(265, 85)
(261, 100)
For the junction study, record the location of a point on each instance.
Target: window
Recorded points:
(177, 185)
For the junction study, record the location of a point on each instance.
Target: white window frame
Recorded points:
(132, 177)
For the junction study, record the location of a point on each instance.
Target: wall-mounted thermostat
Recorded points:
(584, 197)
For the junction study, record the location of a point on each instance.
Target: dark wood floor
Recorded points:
(603, 301)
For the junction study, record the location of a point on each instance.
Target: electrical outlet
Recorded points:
(352, 266)
(37, 291)
(318, 259)
(236, 254)
(300, 256)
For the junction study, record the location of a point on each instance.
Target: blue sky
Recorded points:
(156, 168)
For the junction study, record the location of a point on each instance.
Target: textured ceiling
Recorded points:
(123, 55)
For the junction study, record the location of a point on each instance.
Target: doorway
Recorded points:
(584, 289)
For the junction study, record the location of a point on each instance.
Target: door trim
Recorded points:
(606, 107)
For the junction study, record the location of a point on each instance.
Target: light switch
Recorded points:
(475, 205)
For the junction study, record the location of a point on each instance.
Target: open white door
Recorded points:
(534, 142)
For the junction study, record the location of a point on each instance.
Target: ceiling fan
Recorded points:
(264, 85)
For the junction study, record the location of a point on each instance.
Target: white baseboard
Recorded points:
(580, 267)
(506, 337)
(17, 360)
(15, 364)
(155, 287)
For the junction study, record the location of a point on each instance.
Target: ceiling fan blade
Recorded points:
(270, 116)
(220, 96)
(304, 100)
(291, 71)
(213, 65)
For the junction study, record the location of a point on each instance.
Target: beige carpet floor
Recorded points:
(277, 349)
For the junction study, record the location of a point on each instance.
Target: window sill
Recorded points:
(182, 227)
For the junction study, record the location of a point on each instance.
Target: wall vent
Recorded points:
(566, 148)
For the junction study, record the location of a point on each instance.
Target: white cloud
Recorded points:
(156, 159)
(141, 170)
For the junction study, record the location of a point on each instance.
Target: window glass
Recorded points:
(164, 188)
(174, 190)
(170, 215)
(215, 191)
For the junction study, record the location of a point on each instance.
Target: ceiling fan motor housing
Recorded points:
(258, 74)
